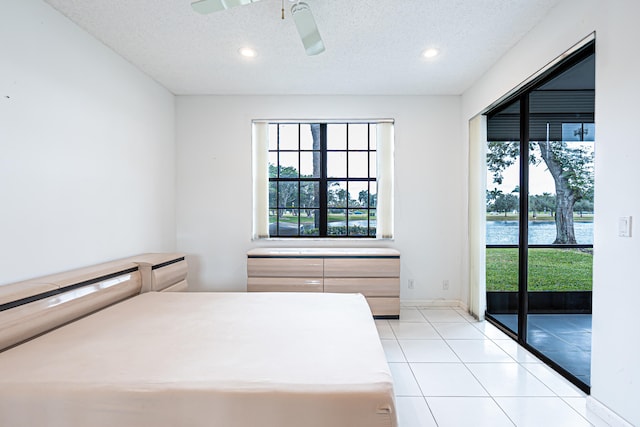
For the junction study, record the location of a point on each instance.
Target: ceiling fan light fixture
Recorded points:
(430, 52)
(300, 11)
(307, 28)
(209, 6)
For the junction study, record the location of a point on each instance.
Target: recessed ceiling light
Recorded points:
(248, 52)
(430, 53)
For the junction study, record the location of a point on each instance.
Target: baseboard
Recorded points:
(452, 303)
(607, 415)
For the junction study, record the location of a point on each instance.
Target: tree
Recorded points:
(373, 200)
(506, 203)
(544, 202)
(570, 167)
(308, 196)
(363, 198)
(584, 205)
(287, 192)
(353, 203)
(315, 135)
(336, 197)
(491, 198)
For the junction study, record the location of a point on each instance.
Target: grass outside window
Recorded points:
(549, 269)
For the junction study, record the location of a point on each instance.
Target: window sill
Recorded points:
(322, 239)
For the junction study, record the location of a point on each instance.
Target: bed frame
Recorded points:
(33, 307)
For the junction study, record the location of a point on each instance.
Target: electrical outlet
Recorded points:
(410, 283)
(445, 285)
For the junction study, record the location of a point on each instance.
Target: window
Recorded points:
(323, 179)
(578, 132)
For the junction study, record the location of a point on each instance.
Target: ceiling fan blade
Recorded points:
(307, 28)
(210, 6)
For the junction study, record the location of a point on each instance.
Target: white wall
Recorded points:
(214, 183)
(87, 167)
(615, 369)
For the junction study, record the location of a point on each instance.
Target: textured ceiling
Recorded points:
(372, 46)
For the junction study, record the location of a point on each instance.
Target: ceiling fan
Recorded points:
(300, 11)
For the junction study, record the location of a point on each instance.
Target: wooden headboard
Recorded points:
(32, 307)
(162, 272)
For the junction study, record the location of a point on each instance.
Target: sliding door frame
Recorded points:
(521, 95)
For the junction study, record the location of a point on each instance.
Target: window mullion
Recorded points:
(324, 210)
(278, 183)
(346, 180)
(299, 182)
(368, 210)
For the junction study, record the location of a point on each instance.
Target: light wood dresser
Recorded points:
(373, 272)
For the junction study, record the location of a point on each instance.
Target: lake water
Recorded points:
(540, 233)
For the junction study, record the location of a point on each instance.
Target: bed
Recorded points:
(204, 359)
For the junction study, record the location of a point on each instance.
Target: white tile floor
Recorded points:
(450, 370)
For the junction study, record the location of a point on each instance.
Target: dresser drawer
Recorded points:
(284, 284)
(368, 286)
(284, 267)
(362, 267)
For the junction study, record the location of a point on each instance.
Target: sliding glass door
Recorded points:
(503, 216)
(540, 216)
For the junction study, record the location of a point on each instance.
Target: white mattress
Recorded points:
(205, 359)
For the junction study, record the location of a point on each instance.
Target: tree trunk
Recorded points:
(315, 134)
(565, 198)
(565, 233)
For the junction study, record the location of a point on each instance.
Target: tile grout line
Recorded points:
(468, 370)
(479, 382)
(556, 394)
(424, 398)
(522, 365)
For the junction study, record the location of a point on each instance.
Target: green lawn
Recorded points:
(549, 270)
(304, 219)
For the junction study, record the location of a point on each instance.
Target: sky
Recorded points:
(540, 180)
